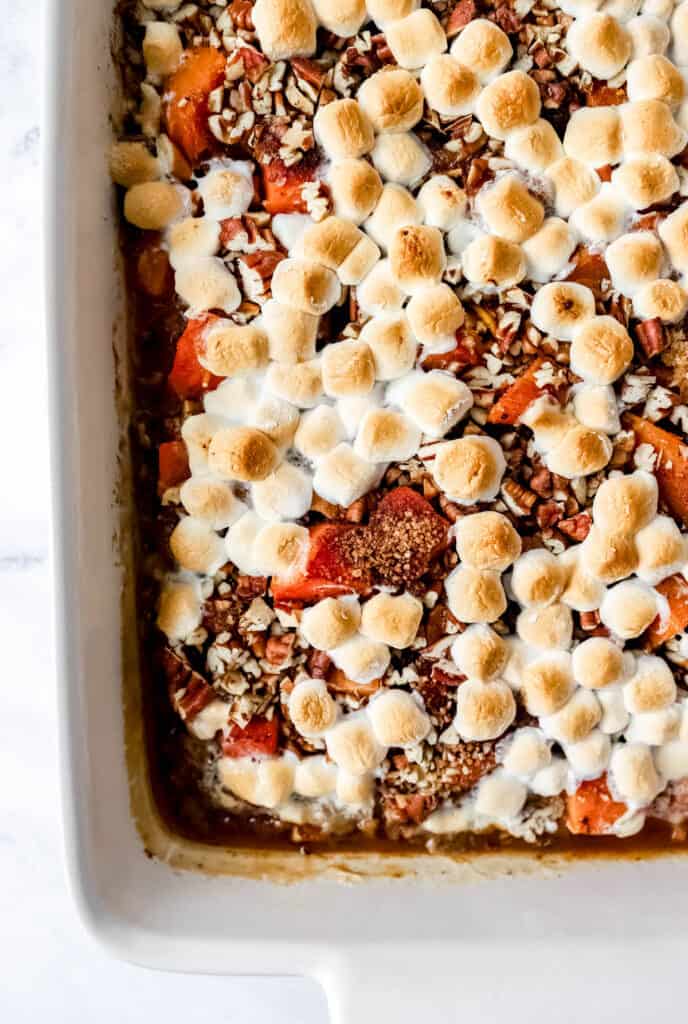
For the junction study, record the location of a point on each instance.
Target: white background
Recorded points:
(49, 969)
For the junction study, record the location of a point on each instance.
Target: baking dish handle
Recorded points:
(394, 984)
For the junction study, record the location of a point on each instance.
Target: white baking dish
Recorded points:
(598, 941)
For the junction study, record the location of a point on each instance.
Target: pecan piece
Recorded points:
(650, 334)
(577, 527)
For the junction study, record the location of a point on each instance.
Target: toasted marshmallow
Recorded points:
(537, 578)
(644, 181)
(329, 241)
(663, 299)
(548, 421)
(191, 239)
(483, 710)
(416, 256)
(601, 350)
(343, 130)
(319, 431)
(500, 797)
(490, 260)
(648, 127)
(655, 78)
(397, 719)
(509, 209)
(596, 407)
(276, 418)
(551, 780)
(629, 608)
(550, 627)
(622, 10)
(601, 219)
(581, 452)
(469, 470)
(527, 753)
(392, 620)
(624, 504)
(154, 205)
(400, 158)
(480, 653)
(534, 147)
(197, 433)
(300, 384)
(132, 163)
(392, 99)
(654, 727)
(196, 546)
(562, 306)
(674, 233)
(344, 19)
(362, 660)
(266, 783)
(576, 720)
(593, 135)
(285, 28)
(396, 209)
(291, 334)
(351, 410)
(228, 190)
(483, 47)
(615, 718)
(284, 494)
(207, 284)
(415, 39)
(386, 436)
(342, 476)
(450, 88)
(392, 345)
(314, 777)
(240, 541)
(355, 187)
(634, 260)
(180, 609)
(304, 286)
(353, 747)
(434, 315)
(242, 453)
(589, 757)
(649, 35)
(211, 501)
(608, 557)
(162, 48)
(574, 184)
(348, 368)
(652, 687)
(311, 708)
(672, 760)
(354, 790)
(228, 350)
(475, 595)
(633, 773)
(679, 30)
(379, 293)
(599, 44)
(435, 401)
(582, 591)
(510, 102)
(662, 549)
(487, 540)
(597, 663)
(330, 622)
(282, 549)
(548, 251)
(547, 683)
(382, 12)
(441, 202)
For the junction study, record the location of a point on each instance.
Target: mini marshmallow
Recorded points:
(304, 286)
(355, 187)
(348, 368)
(132, 163)
(392, 99)
(396, 208)
(508, 103)
(475, 595)
(282, 549)
(480, 653)
(545, 628)
(314, 777)
(434, 315)
(593, 135)
(483, 710)
(416, 257)
(301, 384)
(596, 407)
(191, 239)
(625, 504)
(672, 760)
(329, 242)
(679, 34)
(601, 350)
(615, 718)
(416, 39)
(654, 727)
(558, 308)
(352, 745)
(285, 28)
(379, 293)
(228, 350)
(400, 157)
(662, 549)
(344, 19)
(609, 557)
(597, 663)
(599, 44)
(386, 436)
(551, 780)
(487, 540)
(242, 453)
(527, 753)
(601, 219)
(354, 790)
(547, 683)
(509, 209)
(362, 660)
(311, 708)
(575, 721)
(441, 202)
(655, 78)
(645, 180)
(240, 544)
(291, 334)
(469, 470)
(227, 190)
(351, 410)
(548, 251)
(648, 127)
(284, 494)
(483, 47)
(277, 419)
(343, 130)
(154, 205)
(180, 609)
(548, 421)
(196, 546)
(649, 35)
(629, 608)
(651, 688)
(581, 453)
(212, 501)
(634, 260)
(382, 12)
(391, 343)
(537, 578)
(633, 774)
(330, 622)
(162, 48)
(534, 147)
(206, 284)
(197, 433)
(674, 233)
(590, 757)
(342, 476)
(435, 401)
(493, 261)
(319, 431)
(450, 88)
(582, 591)
(392, 620)
(500, 797)
(663, 299)
(397, 719)
(574, 183)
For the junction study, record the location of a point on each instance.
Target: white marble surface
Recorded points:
(50, 968)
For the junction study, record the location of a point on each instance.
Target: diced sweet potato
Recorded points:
(403, 536)
(671, 466)
(259, 737)
(675, 590)
(282, 186)
(591, 811)
(186, 100)
(173, 465)
(329, 571)
(466, 352)
(509, 408)
(187, 378)
(589, 269)
(338, 682)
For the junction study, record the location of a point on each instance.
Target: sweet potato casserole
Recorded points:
(408, 309)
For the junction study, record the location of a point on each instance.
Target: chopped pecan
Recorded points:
(188, 690)
(278, 649)
(309, 70)
(241, 12)
(577, 527)
(650, 334)
(541, 482)
(519, 496)
(589, 620)
(319, 664)
(465, 11)
(251, 586)
(601, 95)
(548, 514)
(507, 18)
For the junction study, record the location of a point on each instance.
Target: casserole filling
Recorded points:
(408, 290)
